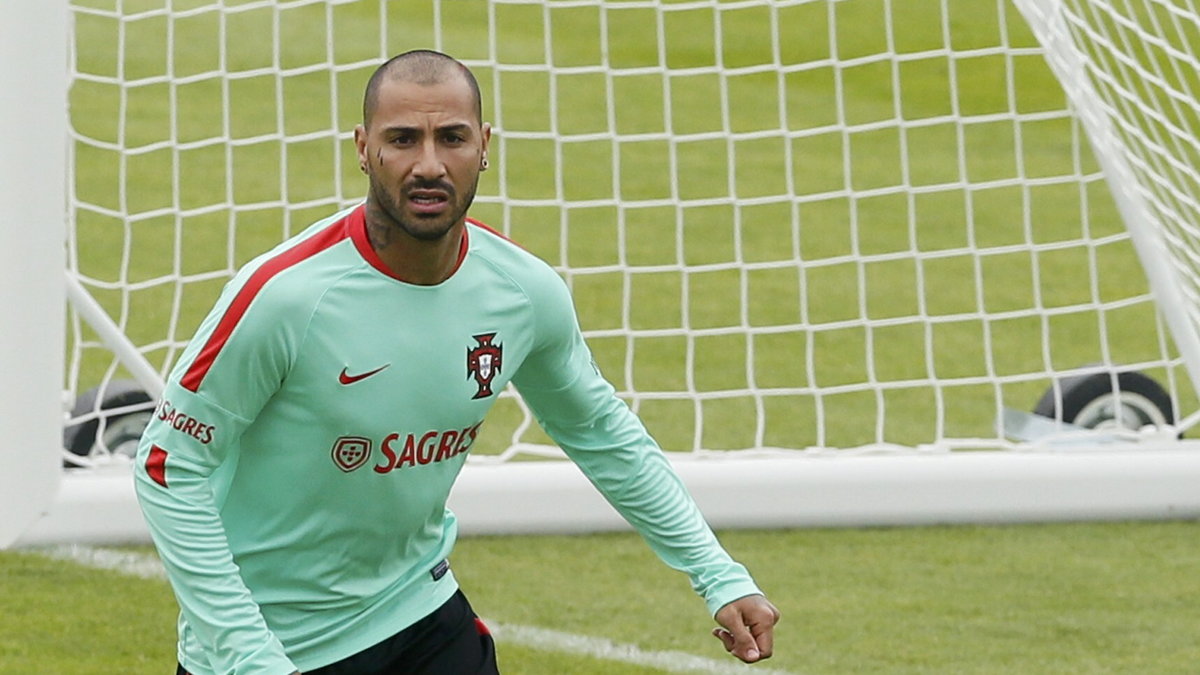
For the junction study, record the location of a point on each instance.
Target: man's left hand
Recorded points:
(748, 628)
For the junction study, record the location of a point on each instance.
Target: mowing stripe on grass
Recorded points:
(149, 567)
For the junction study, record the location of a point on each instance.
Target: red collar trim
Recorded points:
(356, 227)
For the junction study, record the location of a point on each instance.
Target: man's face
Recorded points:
(422, 154)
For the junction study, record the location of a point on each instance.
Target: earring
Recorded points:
(483, 164)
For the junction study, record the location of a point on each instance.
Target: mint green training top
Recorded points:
(295, 473)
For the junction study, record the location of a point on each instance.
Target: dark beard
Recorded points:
(384, 218)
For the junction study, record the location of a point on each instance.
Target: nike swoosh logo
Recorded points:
(347, 378)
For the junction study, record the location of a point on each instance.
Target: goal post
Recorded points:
(1144, 146)
(871, 261)
(33, 123)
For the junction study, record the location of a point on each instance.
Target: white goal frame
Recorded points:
(33, 123)
(1053, 475)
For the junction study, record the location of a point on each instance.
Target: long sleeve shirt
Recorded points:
(296, 470)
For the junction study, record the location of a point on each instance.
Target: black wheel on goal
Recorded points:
(1091, 401)
(121, 431)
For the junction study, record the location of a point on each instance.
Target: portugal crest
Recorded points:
(351, 452)
(483, 363)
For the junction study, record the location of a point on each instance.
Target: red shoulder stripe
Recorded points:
(482, 225)
(241, 302)
(489, 228)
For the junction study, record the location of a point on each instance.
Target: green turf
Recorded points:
(1072, 598)
(1030, 599)
(62, 618)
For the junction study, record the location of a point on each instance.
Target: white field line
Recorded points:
(149, 567)
(600, 648)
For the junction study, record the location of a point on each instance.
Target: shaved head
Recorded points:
(419, 66)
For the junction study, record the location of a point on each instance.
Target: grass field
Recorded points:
(1055, 599)
(834, 206)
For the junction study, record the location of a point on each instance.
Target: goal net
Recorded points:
(788, 224)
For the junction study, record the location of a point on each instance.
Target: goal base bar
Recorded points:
(553, 497)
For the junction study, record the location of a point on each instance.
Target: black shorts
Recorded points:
(450, 641)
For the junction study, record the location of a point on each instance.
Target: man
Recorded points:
(295, 474)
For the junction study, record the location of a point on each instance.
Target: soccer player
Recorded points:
(296, 471)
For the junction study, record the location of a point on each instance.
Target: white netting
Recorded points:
(786, 223)
(1132, 69)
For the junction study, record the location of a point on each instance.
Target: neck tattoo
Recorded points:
(379, 233)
